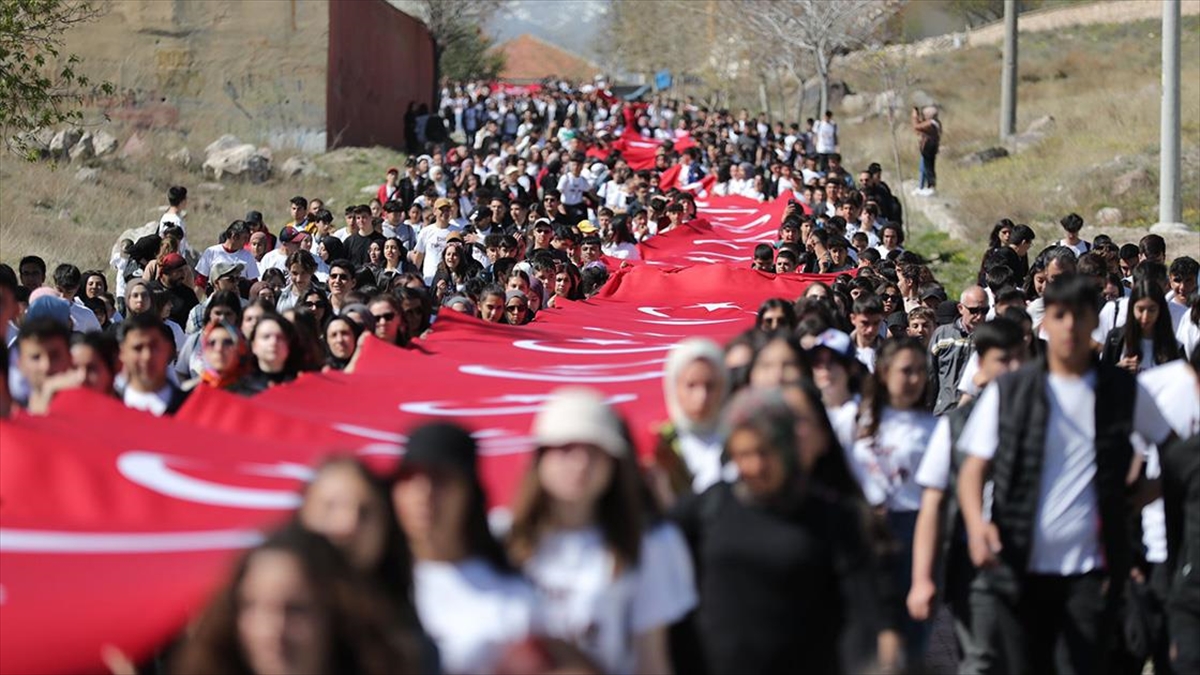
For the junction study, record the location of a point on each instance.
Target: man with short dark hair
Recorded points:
(147, 347)
(867, 317)
(32, 271)
(233, 250)
(1054, 554)
(299, 210)
(177, 197)
(939, 539)
(43, 351)
(67, 279)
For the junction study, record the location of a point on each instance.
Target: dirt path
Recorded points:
(1113, 11)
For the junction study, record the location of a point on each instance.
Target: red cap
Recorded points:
(172, 262)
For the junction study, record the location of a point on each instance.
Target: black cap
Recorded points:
(440, 445)
(946, 312)
(254, 217)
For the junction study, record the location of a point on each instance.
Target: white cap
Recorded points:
(579, 415)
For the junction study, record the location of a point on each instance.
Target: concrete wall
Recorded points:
(266, 71)
(255, 69)
(380, 61)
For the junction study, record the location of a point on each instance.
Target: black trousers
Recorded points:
(1183, 619)
(1042, 624)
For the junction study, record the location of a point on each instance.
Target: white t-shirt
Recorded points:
(1174, 388)
(1188, 335)
(471, 611)
(844, 418)
(215, 254)
(572, 189)
(886, 465)
(1066, 533)
(584, 602)
(84, 318)
(826, 133)
(169, 218)
(154, 403)
(865, 356)
(1079, 249)
(432, 242)
(622, 251)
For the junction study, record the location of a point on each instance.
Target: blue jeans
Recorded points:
(928, 171)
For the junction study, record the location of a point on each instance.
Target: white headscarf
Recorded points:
(680, 356)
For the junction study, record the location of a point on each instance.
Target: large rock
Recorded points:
(87, 175)
(104, 143)
(984, 156)
(226, 142)
(299, 166)
(63, 141)
(856, 104)
(182, 157)
(1136, 179)
(83, 150)
(1108, 217)
(226, 157)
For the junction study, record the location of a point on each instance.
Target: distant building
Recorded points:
(311, 75)
(528, 59)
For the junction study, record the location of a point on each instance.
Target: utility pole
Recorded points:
(1169, 209)
(1008, 80)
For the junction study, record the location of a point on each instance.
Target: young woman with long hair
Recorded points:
(1147, 339)
(469, 599)
(275, 356)
(341, 342)
(294, 605)
(894, 428)
(608, 582)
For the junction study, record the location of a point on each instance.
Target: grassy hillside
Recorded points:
(45, 211)
(1101, 85)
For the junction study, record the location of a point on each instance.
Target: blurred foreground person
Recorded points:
(294, 605)
(787, 580)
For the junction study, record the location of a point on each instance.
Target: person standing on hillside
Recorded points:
(825, 135)
(929, 137)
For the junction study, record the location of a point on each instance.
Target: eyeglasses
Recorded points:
(223, 343)
(385, 317)
(977, 311)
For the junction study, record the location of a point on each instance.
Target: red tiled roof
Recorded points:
(528, 59)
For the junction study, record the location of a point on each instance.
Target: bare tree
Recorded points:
(823, 29)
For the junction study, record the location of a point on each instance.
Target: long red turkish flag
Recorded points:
(115, 526)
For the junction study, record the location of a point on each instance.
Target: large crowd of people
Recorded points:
(1012, 465)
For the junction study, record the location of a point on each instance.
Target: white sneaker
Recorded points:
(917, 192)
(929, 192)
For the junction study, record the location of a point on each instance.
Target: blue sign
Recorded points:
(662, 79)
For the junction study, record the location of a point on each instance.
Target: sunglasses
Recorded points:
(385, 317)
(339, 276)
(894, 297)
(977, 311)
(313, 303)
(223, 343)
(515, 308)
